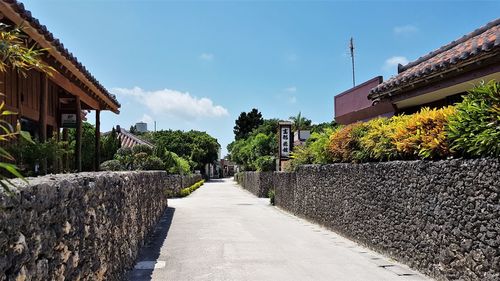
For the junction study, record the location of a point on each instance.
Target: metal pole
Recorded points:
(351, 47)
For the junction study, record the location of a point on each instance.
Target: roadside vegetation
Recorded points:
(188, 190)
(255, 147)
(468, 129)
(16, 52)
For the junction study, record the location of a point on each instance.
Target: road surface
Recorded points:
(222, 232)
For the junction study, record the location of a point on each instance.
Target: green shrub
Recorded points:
(153, 163)
(474, 130)
(318, 144)
(378, 140)
(111, 165)
(265, 163)
(188, 190)
(271, 195)
(174, 164)
(142, 148)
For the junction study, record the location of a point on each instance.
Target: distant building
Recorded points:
(128, 139)
(141, 127)
(437, 79)
(300, 137)
(228, 168)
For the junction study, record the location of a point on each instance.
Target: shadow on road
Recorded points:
(150, 252)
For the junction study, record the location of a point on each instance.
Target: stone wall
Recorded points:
(442, 218)
(257, 183)
(178, 182)
(86, 226)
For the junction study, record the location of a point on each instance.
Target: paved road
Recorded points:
(222, 232)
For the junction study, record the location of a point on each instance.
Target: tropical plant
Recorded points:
(474, 130)
(29, 155)
(378, 140)
(344, 144)
(423, 135)
(16, 53)
(299, 122)
(7, 134)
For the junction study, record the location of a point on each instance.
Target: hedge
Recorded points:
(188, 190)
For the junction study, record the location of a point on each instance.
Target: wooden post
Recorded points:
(78, 146)
(97, 159)
(42, 120)
(65, 157)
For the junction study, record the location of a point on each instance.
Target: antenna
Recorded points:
(155, 125)
(351, 47)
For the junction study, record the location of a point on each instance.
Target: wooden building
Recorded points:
(48, 103)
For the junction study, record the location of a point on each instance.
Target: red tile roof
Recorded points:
(128, 139)
(481, 44)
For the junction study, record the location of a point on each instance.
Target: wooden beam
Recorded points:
(97, 159)
(78, 145)
(33, 33)
(64, 83)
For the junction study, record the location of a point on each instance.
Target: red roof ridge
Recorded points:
(450, 45)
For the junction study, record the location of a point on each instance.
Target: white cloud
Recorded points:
(207, 57)
(173, 103)
(292, 99)
(405, 29)
(291, 57)
(392, 63)
(291, 89)
(146, 119)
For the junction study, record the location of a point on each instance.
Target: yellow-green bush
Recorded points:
(423, 134)
(188, 190)
(344, 144)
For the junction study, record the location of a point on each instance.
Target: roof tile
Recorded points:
(482, 40)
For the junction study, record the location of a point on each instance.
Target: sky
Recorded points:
(199, 64)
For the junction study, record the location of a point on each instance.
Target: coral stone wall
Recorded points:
(257, 183)
(86, 226)
(178, 182)
(442, 218)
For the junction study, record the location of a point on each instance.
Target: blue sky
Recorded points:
(199, 64)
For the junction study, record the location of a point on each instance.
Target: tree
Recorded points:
(88, 149)
(259, 149)
(198, 148)
(299, 122)
(246, 123)
(109, 145)
(319, 128)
